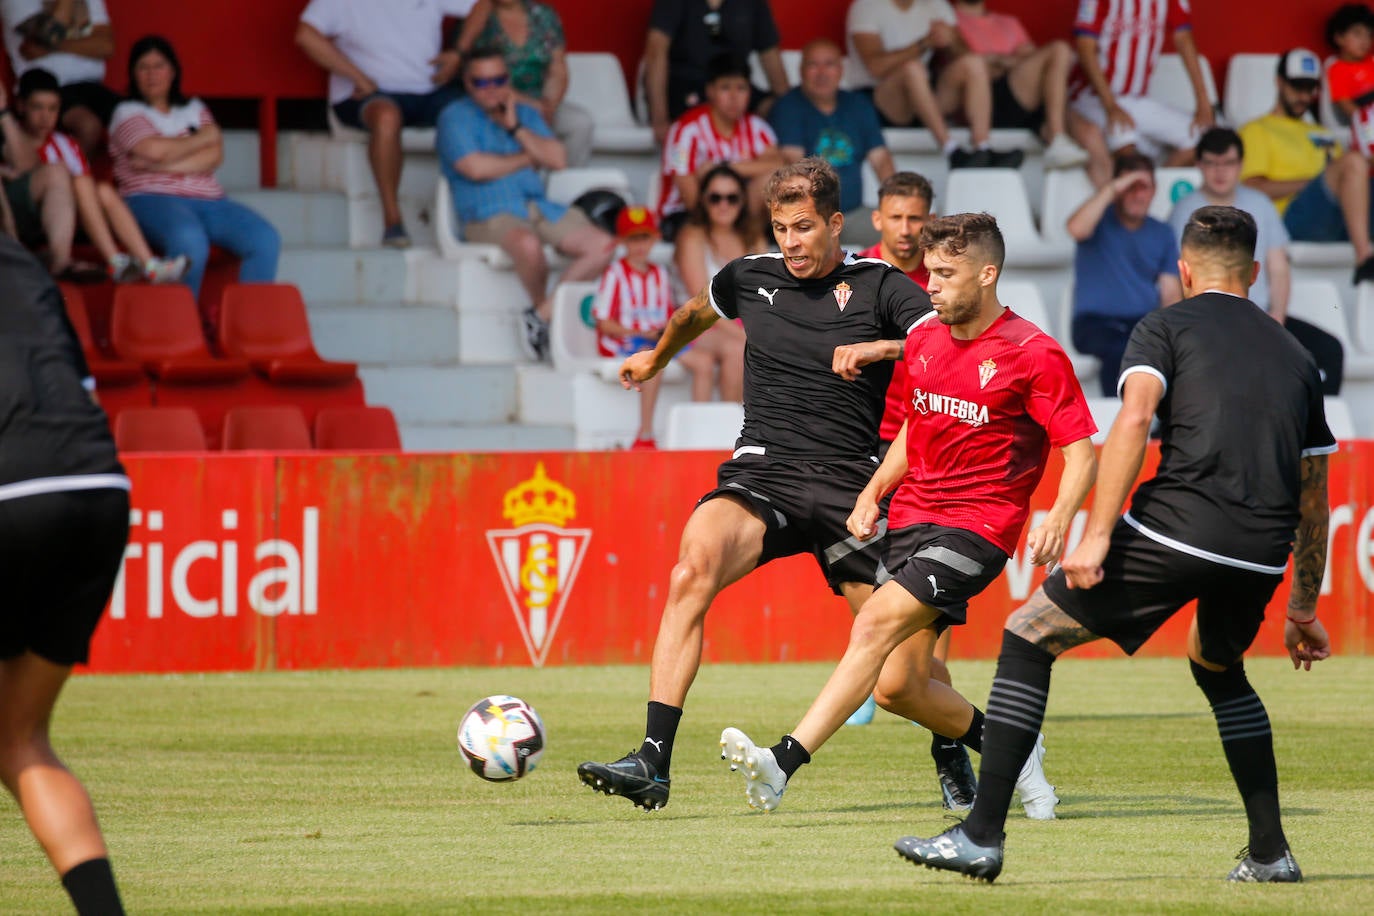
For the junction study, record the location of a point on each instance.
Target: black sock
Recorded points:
(790, 755)
(1016, 710)
(944, 750)
(973, 738)
(1249, 746)
(91, 886)
(660, 730)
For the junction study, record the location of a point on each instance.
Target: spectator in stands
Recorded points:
(1118, 45)
(1220, 153)
(632, 305)
(102, 212)
(39, 205)
(720, 130)
(166, 148)
(817, 118)
(530, 34)
(388, 69)
(1321, 189)
(490, 147)
(1030, 85)
(71, 39)
(1350, 78)
(718, 230)
(910, 55)
(1125, 265)
(904, 206)
(685, 36)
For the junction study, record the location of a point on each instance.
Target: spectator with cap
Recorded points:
(632, 305)
(686, 35)
(1321, 188)
(818, 118)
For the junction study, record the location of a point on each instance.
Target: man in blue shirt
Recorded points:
(818, 119)
(489, 148)
(1125, 265)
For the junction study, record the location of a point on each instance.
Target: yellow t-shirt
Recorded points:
(1281, 148)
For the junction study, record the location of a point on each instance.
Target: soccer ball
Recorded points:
(501, 738)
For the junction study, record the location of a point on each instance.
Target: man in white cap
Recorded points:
(1321, 188)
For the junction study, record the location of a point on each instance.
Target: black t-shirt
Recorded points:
(49, 426)
(1242, 404)
(794, 404)
(698, 33)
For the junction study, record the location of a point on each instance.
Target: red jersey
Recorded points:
(894, 411)
(1130, 37)
(639, 301)
(1348, 80)
(60, 149)
(981, 417)
(693, 141)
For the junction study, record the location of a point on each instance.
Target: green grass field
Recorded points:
(344, 792)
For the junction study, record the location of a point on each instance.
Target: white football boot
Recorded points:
(764, 781)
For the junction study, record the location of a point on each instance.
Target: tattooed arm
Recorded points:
(1303, 633)
(684, 325)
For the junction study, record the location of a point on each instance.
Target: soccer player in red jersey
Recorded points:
(989, 394)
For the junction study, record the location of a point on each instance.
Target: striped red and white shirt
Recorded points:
(60, 149)
(694, 141)
(640, 301)
(1347, 81)
(1130, 37)
(134, 122)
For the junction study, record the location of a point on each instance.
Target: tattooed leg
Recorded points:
(1044, 624)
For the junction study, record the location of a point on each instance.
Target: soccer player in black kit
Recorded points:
(824, 329)
(1241, 481)
(64, 521)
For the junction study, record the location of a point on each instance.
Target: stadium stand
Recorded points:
(119, 384)
(1169, 83)
(1002, 193)
(713, 425)
(1249, 87)
(159, 429)
(1023, 298)
(1338, 417)
(1318, 302)
(266, 428)
(1104, 411)
(356, 429)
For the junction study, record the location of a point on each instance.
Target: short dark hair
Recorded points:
(1218, 140)
(907, 184)
(727, 64)
(481, 52)
(37, 80)
(1345, 18)
(961, 233)
(145, 46)
(810, 178)
(1132, 162)
(1226, 234)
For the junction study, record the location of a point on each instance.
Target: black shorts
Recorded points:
(98, 97)
(1007, 110)
(1145, 582)
(943, 567)
(805, 505)
(60, 553)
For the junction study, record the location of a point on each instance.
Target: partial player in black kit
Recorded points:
(64, 522)
(823, 329)
(1241, 481)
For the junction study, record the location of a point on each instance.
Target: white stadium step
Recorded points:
(341, 275)
(443, 393)
(385, 333)
(499, 437)
(305, 219)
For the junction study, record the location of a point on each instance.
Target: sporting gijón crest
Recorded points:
(539, 558)
(842, 293)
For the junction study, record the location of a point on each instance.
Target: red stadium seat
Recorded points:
(159, 429)
(266, 324)
(158, 327)
(281, 428)
(119, 385)
(356, 429)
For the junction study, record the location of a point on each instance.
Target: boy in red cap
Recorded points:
(632, 306)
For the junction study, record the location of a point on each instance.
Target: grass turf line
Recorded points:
(343, 792)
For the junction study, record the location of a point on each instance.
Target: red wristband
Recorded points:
(1301, 622)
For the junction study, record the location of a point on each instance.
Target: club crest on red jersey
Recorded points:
(986, 370)
(842, 293)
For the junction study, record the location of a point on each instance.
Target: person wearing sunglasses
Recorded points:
(1316, 183)
(388, 69)
(491, 150)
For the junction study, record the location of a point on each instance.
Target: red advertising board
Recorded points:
(255, 562)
